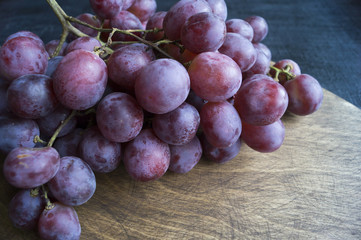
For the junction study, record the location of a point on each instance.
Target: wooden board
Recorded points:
(309, 189)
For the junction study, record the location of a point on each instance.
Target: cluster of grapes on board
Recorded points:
(155, 90)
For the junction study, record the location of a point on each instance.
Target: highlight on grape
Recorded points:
(155, 90)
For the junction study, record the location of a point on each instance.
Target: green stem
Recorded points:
(37, 139)
(57, 131)
(285, 71)
(49, 205)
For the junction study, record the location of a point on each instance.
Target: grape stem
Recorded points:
(66, 20)
(285, 71)
(49, 205)
(57, 131)
(37, 139)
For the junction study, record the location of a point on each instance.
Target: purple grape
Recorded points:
(127, 4)
(305, 94)
(52, 121)
(179, 13)
(261, 102)
(194, 100)
(125, 20)
(25, 209)
(52, 65)
(52, 45)
(203, 32)
(261, 66)
(101, 154)
(119, 117)
(162, 86)
(106, 9)
(177, 127)
(79, 80)
(219, 8)
(240, 50)
(20, 56)
(125, 63)
(294, 69)
(183, 158)
(266, 138)
(241, 27)
(74, 183)
(146, 157)
(220, 155)
(143, 9)
(17, 132)
(220, 123)
(214, 76)
(60, 222)
(156, 21)
(262, 47)
(85, 43)
(26, 34)
(260, 27)
(31, 167)
(90, 19)
(32, 96)
(68, 145)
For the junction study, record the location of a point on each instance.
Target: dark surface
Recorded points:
(324, 36)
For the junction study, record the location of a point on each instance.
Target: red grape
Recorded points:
(260, 27)
(125, 20)
(143, 9)
(241, 27)
(52, 65)
(262, 47)
(156, 21)
(85, 43)
(26, 34)
(261, 66)
(146, 157)
(52, 45)
(219, 8)
(294, 69)
(68, 145)
(106, 9)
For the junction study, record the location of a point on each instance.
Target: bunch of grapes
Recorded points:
(154, 90)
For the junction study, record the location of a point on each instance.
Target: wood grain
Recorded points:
(309, 189)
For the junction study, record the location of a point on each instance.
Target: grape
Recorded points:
(146, 157)
(52, 65)
(125, 20)
(260, 27)
(52, 45)
(60, 222)
(195, 100)
(74, 183)
(294, 69)
(32, 96)
(214, 76)
(119, 117)
(305, 94)
(106, 9)
(68, 145)
(143, 9)
(51, 122)
(127, 4)
(203, 32)
(220, 155)
(261, 102)
(101, 154)
(177, 127)
(162, 86)
(179, 13)
(261, 66)
(240, 50)
(255, 77)
(85, 43)
(91, 20)
(31, 167)
(220, 123)
(25, 209)
(80, 79)
(219, 8)
(241, 27)
(26, 34)
(17, 132)
(184, 157)
(20, 56)
(156, 21)
(262, 47)
(125, 63)
(267, 138)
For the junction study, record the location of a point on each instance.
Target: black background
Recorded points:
(323, 36)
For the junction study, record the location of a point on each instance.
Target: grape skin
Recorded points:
(101, 154)
(260, 27)
(68, 145)
(146, 157)
(119, 117)
(241, 27)
(90, 19)
(143, 9)
(106, 9)
(74, 183)
(52, 65)
(264, 139)
(183, 158)
(177, 127)
(127, 4)
(162, 86)
(20, 56)
(32, 96)
(125, 20)
(219, 8)
(262, 47)
(52, 45)
(261, 66)
(17, 132)
(60, 222)
(80, 79)
(305, 94)
(31, 167)
(25, 209)
(261, 102)
(155, 21)
(203, 32)
(214, 76)
(86, 43)
(25, 34)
